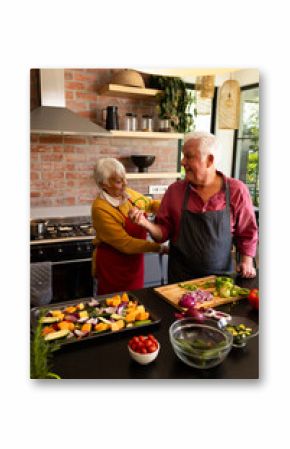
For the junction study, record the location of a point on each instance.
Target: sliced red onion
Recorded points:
(193, 312)
(71, 318)
(189, 299)
(121, 308)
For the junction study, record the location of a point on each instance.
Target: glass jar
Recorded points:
(146, 123)
(164, 125)
(130, 121)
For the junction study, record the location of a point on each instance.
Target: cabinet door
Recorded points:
(152, 275)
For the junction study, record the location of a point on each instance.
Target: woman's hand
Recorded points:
(137, 216)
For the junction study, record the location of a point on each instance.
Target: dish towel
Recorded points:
(40, 283)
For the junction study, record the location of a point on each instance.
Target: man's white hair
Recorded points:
(207, 143)
(107, 168)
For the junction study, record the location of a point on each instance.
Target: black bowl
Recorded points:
(142, 161)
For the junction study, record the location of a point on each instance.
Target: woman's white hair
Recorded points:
(107, 168)
(207, 143)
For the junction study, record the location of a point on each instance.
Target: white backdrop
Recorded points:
(143, 414)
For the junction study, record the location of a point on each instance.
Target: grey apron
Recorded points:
(203, 245)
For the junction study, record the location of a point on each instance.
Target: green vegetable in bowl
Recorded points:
(239, 332)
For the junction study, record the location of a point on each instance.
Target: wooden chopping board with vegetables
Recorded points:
(210, 292)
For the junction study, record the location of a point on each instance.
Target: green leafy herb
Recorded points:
(41, 355)
(189, 287)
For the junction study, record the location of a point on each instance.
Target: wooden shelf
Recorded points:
(145, 135)
(118, 90)
(153, 175)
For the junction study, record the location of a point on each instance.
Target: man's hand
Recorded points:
(246, 267)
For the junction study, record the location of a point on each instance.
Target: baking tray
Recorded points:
(36, 311)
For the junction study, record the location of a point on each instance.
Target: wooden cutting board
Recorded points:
(172, 293)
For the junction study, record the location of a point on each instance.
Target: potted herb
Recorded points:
(41, 355)
(174, 102)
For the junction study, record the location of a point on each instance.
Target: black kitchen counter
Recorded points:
(107, 357)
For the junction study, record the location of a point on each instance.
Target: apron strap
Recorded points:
(225, 187)
(185, 198)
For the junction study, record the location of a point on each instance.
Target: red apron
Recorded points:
(117, 271)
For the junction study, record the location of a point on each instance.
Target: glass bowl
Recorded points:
(249, 330)
(200, 344)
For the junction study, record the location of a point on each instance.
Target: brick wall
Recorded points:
(62, 166)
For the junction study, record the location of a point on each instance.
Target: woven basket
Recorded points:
(128, 77)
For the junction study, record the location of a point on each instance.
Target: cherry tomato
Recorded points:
(152, 349)
(143, 344)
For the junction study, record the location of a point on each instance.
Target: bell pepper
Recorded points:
(221, 280)
(253, 298)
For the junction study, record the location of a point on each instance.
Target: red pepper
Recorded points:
(254, 298)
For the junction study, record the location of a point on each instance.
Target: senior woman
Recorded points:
(118, 260)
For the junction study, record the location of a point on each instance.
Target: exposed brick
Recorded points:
(69, 95)
(86, 96)
(76, 106)
(68, 75)
(41, 149)
(49, 175)
(75, 175)
(50, 139)
(63, 165)
(75, 140)
(84, 76)
(75, 157)
(74, 85)
(34, 176)
(34, 137)
(52, 157)
(58, 148)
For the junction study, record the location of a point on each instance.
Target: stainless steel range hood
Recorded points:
(52, 117)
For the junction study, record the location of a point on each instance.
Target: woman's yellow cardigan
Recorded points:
(109, 225)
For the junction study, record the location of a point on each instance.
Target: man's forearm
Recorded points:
(154, 230)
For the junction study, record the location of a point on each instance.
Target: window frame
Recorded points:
(236, 134)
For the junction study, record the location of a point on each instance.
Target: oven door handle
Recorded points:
(63, 262)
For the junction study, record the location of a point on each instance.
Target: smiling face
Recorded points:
(115, 186)
(196, 166)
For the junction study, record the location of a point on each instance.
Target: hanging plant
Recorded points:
(174, 102)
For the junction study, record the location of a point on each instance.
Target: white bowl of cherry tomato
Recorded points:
(143, 349)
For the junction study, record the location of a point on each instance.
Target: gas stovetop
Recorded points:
(65, 230)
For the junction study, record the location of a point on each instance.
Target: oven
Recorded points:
(69, 254)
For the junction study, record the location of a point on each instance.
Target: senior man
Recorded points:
(202, 215)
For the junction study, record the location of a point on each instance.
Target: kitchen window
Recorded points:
(203, 112)
(246, 142)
